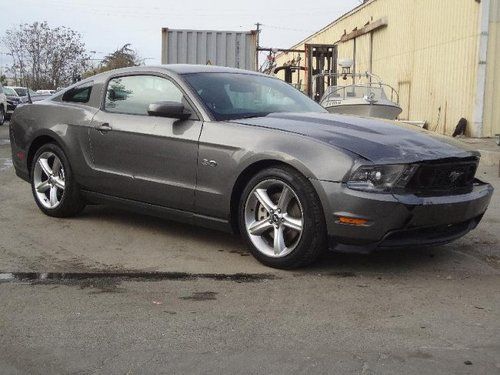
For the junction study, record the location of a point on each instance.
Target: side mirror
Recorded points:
(168, 109)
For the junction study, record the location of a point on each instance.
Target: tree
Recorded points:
(121, 58)
(44, 57)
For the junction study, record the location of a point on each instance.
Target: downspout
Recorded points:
(478, 114)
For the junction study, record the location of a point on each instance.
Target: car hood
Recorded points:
(373, 139)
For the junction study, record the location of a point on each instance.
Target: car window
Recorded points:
(21, 91)
(134, 94)
(79, 94)
(10, 91)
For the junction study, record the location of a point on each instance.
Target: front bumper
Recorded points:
(399, 220)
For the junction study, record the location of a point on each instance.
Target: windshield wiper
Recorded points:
(264, 114)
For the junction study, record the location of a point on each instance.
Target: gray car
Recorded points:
(243, 152)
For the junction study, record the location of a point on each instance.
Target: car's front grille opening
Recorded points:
(429, 235)
(449, 177)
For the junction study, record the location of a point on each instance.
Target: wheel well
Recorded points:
(242, 181)
(35, 145)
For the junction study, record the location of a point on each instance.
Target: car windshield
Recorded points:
(237, 95)
(9, 91)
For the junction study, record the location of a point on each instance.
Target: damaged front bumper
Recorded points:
(391, 220)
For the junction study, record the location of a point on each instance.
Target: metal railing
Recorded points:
(374, 89)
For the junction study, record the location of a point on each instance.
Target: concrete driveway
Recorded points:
(118, 293)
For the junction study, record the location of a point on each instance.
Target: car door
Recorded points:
(140, 157)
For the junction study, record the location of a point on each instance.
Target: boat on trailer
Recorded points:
(366, 96)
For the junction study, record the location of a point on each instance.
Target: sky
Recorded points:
(106, 25)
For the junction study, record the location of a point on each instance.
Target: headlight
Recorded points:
(381, 178)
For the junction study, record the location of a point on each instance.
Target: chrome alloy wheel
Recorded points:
(49, 180)
(274, 218)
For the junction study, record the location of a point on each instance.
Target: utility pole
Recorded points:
(258, 24)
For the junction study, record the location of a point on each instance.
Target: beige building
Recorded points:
(443, 57)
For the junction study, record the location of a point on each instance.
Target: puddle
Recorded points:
(83, 278)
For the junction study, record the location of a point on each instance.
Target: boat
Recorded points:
(365, 96)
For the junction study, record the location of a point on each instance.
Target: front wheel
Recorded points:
(281, 219)
(54, 188)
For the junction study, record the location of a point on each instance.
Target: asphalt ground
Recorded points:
(112, 292)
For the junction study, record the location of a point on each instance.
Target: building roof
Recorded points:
(345, 15)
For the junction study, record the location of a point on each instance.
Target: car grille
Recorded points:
(443, 178)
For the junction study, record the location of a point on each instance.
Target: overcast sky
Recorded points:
(105, 25)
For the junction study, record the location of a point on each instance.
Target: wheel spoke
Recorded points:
(53, 196)
(265, 200)
(258, 228)
(292, 223)
(279, 240)
(285, 198)
(59, 182)
(42, 187)
(44, 164)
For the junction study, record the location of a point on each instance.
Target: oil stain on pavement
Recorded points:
(109, 282)
(71, 278)
(201, 296)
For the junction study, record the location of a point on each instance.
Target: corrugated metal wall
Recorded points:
(233, 49)
(428, 51)
(492, 96)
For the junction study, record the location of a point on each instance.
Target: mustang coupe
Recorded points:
(243, 152)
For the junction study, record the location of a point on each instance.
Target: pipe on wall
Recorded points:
(478, 114)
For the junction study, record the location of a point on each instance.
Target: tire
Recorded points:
(52, 184)
(291, 213)
(2, 115)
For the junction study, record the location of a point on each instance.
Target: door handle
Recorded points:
(104, 128)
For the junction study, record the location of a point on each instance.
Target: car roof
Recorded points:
(177, 69)
(192, 68)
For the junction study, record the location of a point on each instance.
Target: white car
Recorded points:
(3, 105)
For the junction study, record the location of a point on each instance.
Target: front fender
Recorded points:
(236, 147)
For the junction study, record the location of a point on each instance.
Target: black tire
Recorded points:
(71, 202)
(313, 239)
(2, 115)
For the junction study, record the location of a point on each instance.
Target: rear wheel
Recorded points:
(281, 219)
(2, 115)
(52, 183)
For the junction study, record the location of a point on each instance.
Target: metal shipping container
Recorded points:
(234, 49)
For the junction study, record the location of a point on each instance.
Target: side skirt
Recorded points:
(159, 211)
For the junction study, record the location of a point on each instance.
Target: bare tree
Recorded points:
(45, 57)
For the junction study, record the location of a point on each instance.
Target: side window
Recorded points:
(79, 94)
(134, 94)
